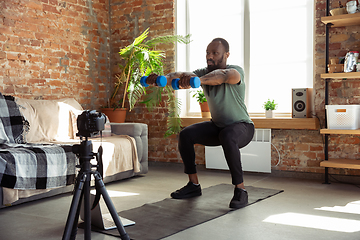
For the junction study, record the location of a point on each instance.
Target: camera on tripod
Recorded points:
(89, 123)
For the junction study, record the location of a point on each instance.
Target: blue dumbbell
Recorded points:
(194, 83)
(161, 81)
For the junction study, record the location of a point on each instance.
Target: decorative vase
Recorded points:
(117, 115)
(269, 114)
(205, 112)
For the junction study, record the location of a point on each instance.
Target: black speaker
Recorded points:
(301, 102)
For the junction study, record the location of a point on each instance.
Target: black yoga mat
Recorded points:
(169, 216)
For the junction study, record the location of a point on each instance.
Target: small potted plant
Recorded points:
(201, 99)
(269, 106)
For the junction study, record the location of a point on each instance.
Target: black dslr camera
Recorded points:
(89, 123)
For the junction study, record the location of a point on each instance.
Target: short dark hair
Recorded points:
(223, 42)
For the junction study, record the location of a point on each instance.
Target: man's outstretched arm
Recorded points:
(216, 77)
(174, 75)
(220, 76)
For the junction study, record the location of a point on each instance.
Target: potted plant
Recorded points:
(141, 59)
(115, 112)
(201, 99)
(269, 106)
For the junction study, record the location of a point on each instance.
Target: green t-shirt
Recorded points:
(226, 101)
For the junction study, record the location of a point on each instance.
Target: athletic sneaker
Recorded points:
(240, 198)
(188, 191)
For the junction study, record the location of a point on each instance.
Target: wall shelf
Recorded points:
(342, 20)
(343, 75)
(341, 163)
(340, 131)
(287, 123)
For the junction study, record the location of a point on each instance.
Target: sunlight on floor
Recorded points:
(317, 222)
(113, 193)
(352, 207)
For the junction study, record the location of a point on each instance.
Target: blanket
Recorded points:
(30, 166)
(13, 125)
(36, 166)
(119, 150)
(115, 148)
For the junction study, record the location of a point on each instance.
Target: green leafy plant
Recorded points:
(141, 59)
(270, 105)
(200, 96)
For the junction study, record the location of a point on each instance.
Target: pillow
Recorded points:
(49, 119)
(73, 117)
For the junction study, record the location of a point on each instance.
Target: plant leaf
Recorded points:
(169, 39)
(141, 59)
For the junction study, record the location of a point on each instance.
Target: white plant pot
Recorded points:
(269, 114)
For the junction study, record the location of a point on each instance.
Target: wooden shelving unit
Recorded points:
(332, 22)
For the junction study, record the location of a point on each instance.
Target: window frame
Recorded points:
(185, 49)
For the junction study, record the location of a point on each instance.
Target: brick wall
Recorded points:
(51, 49)
(128, 20)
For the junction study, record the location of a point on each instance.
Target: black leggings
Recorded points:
(231, 138)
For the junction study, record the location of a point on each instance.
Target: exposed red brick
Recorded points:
(2, 55)
(164, 6)
(13, 40)
(42, 36)
(6, 30)
(49, 8)
(12, 56)
(34, 5)
(3, 38)
(39, 82)
(37, 51)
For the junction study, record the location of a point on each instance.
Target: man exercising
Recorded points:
(230, 127)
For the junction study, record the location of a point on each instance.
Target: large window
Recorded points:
(271, 40)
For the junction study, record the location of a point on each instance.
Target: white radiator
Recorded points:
(255, 157)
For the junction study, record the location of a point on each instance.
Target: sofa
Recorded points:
(40, 160)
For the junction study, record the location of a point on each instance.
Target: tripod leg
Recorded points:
(76, 220)
(74, 207)
(87, 209)
(111, 207)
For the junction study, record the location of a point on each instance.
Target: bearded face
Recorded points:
(215, 64)
(216, 56)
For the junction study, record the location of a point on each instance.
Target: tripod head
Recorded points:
(84, 150)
